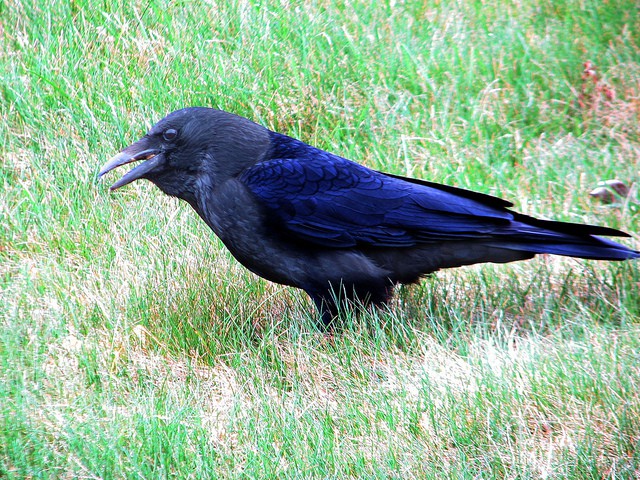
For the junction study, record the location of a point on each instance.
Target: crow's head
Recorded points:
(192, 145)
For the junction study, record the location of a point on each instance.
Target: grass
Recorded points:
(134, 346)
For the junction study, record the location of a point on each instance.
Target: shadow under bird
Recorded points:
(300, 216)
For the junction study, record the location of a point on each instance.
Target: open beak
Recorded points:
(133, 153)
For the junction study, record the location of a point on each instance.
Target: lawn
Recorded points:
(133, 345)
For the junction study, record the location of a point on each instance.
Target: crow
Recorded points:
(343, 233)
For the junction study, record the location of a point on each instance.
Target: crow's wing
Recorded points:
(331, 201)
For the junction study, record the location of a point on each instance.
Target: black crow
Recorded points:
(303, 217)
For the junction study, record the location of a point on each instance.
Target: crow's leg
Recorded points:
(327, 309)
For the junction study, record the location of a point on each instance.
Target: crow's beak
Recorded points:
(133, 153)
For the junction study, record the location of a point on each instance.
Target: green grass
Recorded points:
(132, 345)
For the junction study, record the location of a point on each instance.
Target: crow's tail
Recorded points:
(569, 239)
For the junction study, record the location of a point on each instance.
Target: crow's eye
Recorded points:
(170, 134)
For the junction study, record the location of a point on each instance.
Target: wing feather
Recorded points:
(332, 201)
